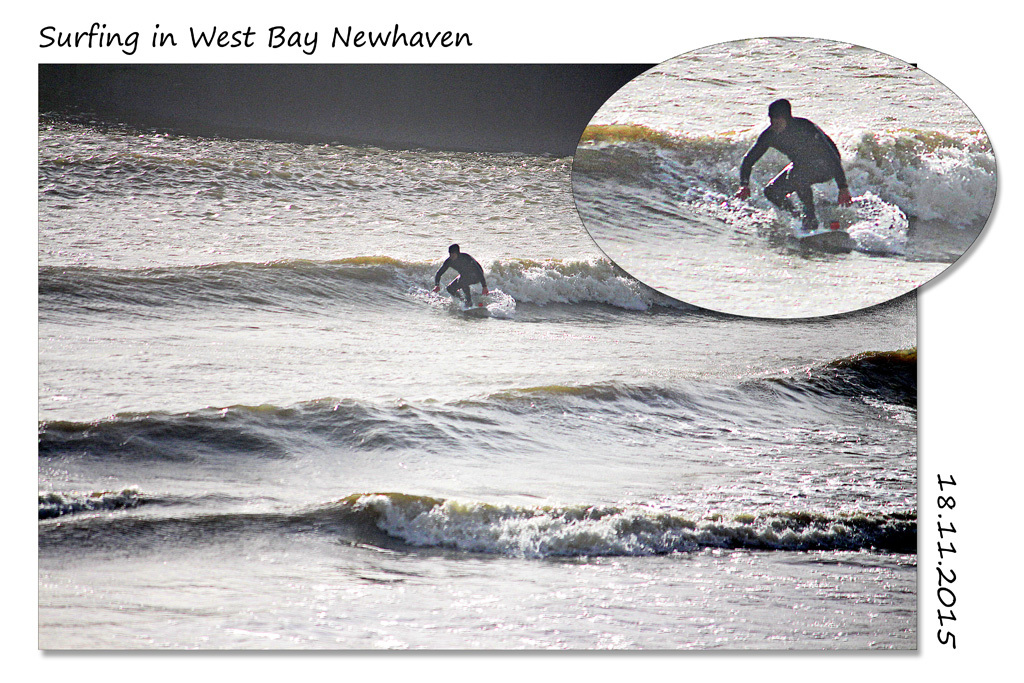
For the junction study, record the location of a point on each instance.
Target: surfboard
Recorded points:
(830, 240)
(477, 310)
(868, 225)
(496, 304)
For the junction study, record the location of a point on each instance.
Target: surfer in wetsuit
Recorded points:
(815, 159)
(470, 273)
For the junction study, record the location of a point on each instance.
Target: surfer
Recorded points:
(815, 159)
(470, 273)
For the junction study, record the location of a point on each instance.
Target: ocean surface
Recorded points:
(657, 169)
(258, 428)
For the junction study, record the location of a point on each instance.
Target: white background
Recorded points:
(970, 378)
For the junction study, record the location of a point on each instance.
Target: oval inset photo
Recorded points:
(784, 178)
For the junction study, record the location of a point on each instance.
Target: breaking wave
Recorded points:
(581, 530)
(400, 520)
(53, 504)
(930, 175)
(302, 283)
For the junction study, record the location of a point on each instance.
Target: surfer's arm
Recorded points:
(440, 271)
(480, 274)
(752, 157)
(835, 162)
(839, 174)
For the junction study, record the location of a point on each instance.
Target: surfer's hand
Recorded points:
(743, 193)
(844, 198)
(485, 291)
(437, 288)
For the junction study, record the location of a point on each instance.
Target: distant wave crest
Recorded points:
(53, 504)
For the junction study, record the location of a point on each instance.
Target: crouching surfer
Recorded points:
(470, 273)
(814, 156)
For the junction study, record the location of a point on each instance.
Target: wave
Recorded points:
(220, 283)
(274, 432)
(887, 375)
(53, 504)
(304, 283)
(267, 432)
(619, 133)
(582, 530)
(595, 281)
(930, 175)
(406, 521)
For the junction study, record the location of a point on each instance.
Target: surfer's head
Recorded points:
(780, 112)
(780, 109)
(453, 250)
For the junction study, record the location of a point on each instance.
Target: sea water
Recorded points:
(259, 428)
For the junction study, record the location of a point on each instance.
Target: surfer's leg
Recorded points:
(463, 282)
(803, 180)
(777, 191)
(806, 194)
(453, 288)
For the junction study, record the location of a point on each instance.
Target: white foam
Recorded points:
(878, 227)
(54, 504)
(500, 304)
(930, 176)
(580, 530)
(548, 282)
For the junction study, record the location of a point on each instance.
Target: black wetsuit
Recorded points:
(470, 273)
(815, 160)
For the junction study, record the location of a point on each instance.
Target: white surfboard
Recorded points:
(869, 225)
(495, 304)
(830, 240)
(478, 309)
